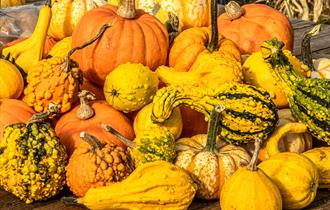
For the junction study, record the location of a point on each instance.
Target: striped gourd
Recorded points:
(309, 99)
(249, 111)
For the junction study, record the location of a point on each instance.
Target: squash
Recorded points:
(148, 44)
(32, 159)
(129, 87)
(193, 122)
(250, 188)
(151, 144)
(61, 48)
(97, 164)
(67, 14)
(209, 163)
(10, 3)
(154, 185)
(261, 23)
(309, 98)
(13, 111)
(249, 113)
(320, 157)
(11, 80)
(87, 117)
(96, 90)
(143, 121)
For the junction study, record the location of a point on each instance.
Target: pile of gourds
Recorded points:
(93, 100)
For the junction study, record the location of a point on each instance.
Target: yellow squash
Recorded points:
(11, 80)
(154, 185)
(61, 48)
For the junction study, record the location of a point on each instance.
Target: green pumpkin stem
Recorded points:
(91, 140)
(120, 137)
(42, 116)
(306, 52)
(213, 45)
(254, 160)
(213, 128)
(127, 9)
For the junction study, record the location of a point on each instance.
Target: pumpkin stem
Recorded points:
(213, 128)
(85, 111)
(306, 52)
(91, 140)
(127, 9)
(48, 3)
(172, 26)
(120, 137)
(213, 45)
(234, 10)
(69, 200)
(40, 117)
(254, 160)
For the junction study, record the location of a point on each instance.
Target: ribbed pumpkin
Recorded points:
(67, 14)
(13, 111)
(11, 80)
(209, 162)
(88, 117)
(134, 36)
(260, 22)
(250, 188)
(10, 3)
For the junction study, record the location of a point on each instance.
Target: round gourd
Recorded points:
(67, 14)
(250, 188)
(61, 48)
(11, 3)
(260, 22)
(130, 87)
(88, 117)
(11, 80)
(296, 177)
(134, 36)
(143, 121)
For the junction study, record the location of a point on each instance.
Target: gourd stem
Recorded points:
(127, 9)
(69, 200)
(306, 52)
(121, 138)
(91, 140)
(213, 45)
(85, 111)
(98, 35)
(213, 128)
(234, 10)
(40, 117)
(254, 160)
(48, 3)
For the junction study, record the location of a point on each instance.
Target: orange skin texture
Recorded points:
(93, 88)
(258, 24)
(140, 40)
(69, 127)
(13, 111)
(193, 122)
(191, 42)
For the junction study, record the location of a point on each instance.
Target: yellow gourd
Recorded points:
(61, 48)
(154, 185)
(11, 80)
(10, 3)
(321, 158)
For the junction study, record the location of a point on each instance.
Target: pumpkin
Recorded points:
(143, 121)
(295, 175)
(288, 135)
(193, 122)
(260, 22)
(13, 111)
(208, 162)
(250, 188)
(97, 164)
(130, 86)
(10, 3)
(67, 14)
(148, 44)
(61, 48)
(88, 117)
(320, 157)
(96, 90)
(11, 80)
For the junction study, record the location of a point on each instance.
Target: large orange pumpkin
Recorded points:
(70, 125)
(13, 111)
(250, 25)
(135, 36)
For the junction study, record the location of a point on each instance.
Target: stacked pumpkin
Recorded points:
(96, 101)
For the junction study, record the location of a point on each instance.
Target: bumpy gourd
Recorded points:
(151, 144)
(154, 185)
(130, 86)
(95, 164)
(32, 160)
(61, 48)
(309, 99)
(249, 113)
(250, 188)
(321, 158)
(209, 162)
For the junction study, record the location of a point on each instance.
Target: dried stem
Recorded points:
(127, 9)
(120, 137)
(91, 140)
(213, 128)
(40, 117)
(85, 111)
(254, 160)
